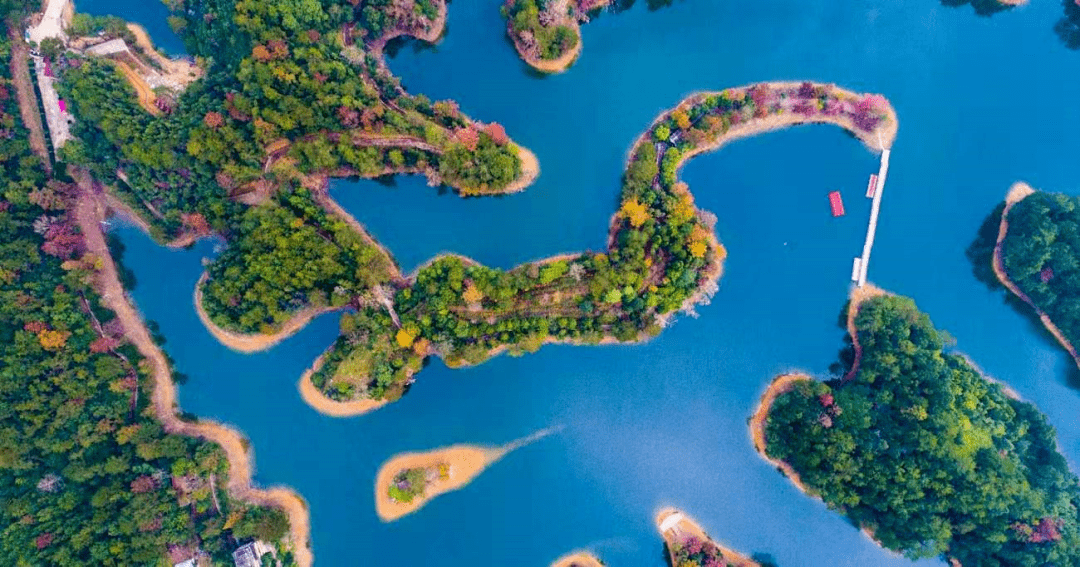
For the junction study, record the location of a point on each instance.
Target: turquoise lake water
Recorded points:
(150, 14)
(982, 102)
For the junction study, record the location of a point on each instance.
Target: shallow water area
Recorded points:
(150, 14)
(664, 424)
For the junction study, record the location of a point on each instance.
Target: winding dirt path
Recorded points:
(1018, 192)
(28, 103)
(90, 211)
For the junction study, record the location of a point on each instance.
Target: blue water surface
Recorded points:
(150, 14)
(982, 102)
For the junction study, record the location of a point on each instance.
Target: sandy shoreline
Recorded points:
(782, 384)
(249, 343)
(549, 66)
(530, 170)
(89, 212)
(1018, 192)
(466, 463)
(578, 559)
(333, 208)
(566, 60)
(786, 382)
(122, 209)
(858, 296)
(689, 527)
(326, 406)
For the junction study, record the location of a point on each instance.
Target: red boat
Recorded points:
(836, 203)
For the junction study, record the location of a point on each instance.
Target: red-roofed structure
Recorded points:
(836, 203)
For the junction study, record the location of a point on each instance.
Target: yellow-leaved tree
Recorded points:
(472, 294)
(405, 337)
(53, 340)
(636, 212)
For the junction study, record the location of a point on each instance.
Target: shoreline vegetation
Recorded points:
(837, 440)
(1017, 194)
(547, 34)
(249, 343)
(689, 546)
(408, 481)
(90, 211)
(663, 256)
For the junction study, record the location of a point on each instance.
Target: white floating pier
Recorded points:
(883, 171)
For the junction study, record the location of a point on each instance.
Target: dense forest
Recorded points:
(925, 453)
(292, 91)
(1041, 255)
(87, 475)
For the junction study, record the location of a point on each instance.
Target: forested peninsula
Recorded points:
(923, 453)
(1032, 245)
(547, 33)
(91, 473)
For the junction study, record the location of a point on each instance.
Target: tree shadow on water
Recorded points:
(1068, 27)
(981, 255)
(985, 8)
(764, 559)
(653, 5)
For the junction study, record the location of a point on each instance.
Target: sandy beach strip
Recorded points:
(687, 527)
(530, 170)
(578, 559)
(326, 406)
(466, 463)
(250, 343)
(782, 384)
(90, 211)
(1018, 192)
(557, 65)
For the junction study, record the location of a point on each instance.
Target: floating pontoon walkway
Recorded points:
(863, 263)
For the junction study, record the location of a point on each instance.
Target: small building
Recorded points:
(187, 563)
(250, 554)
(62, 105)
(836, 203)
